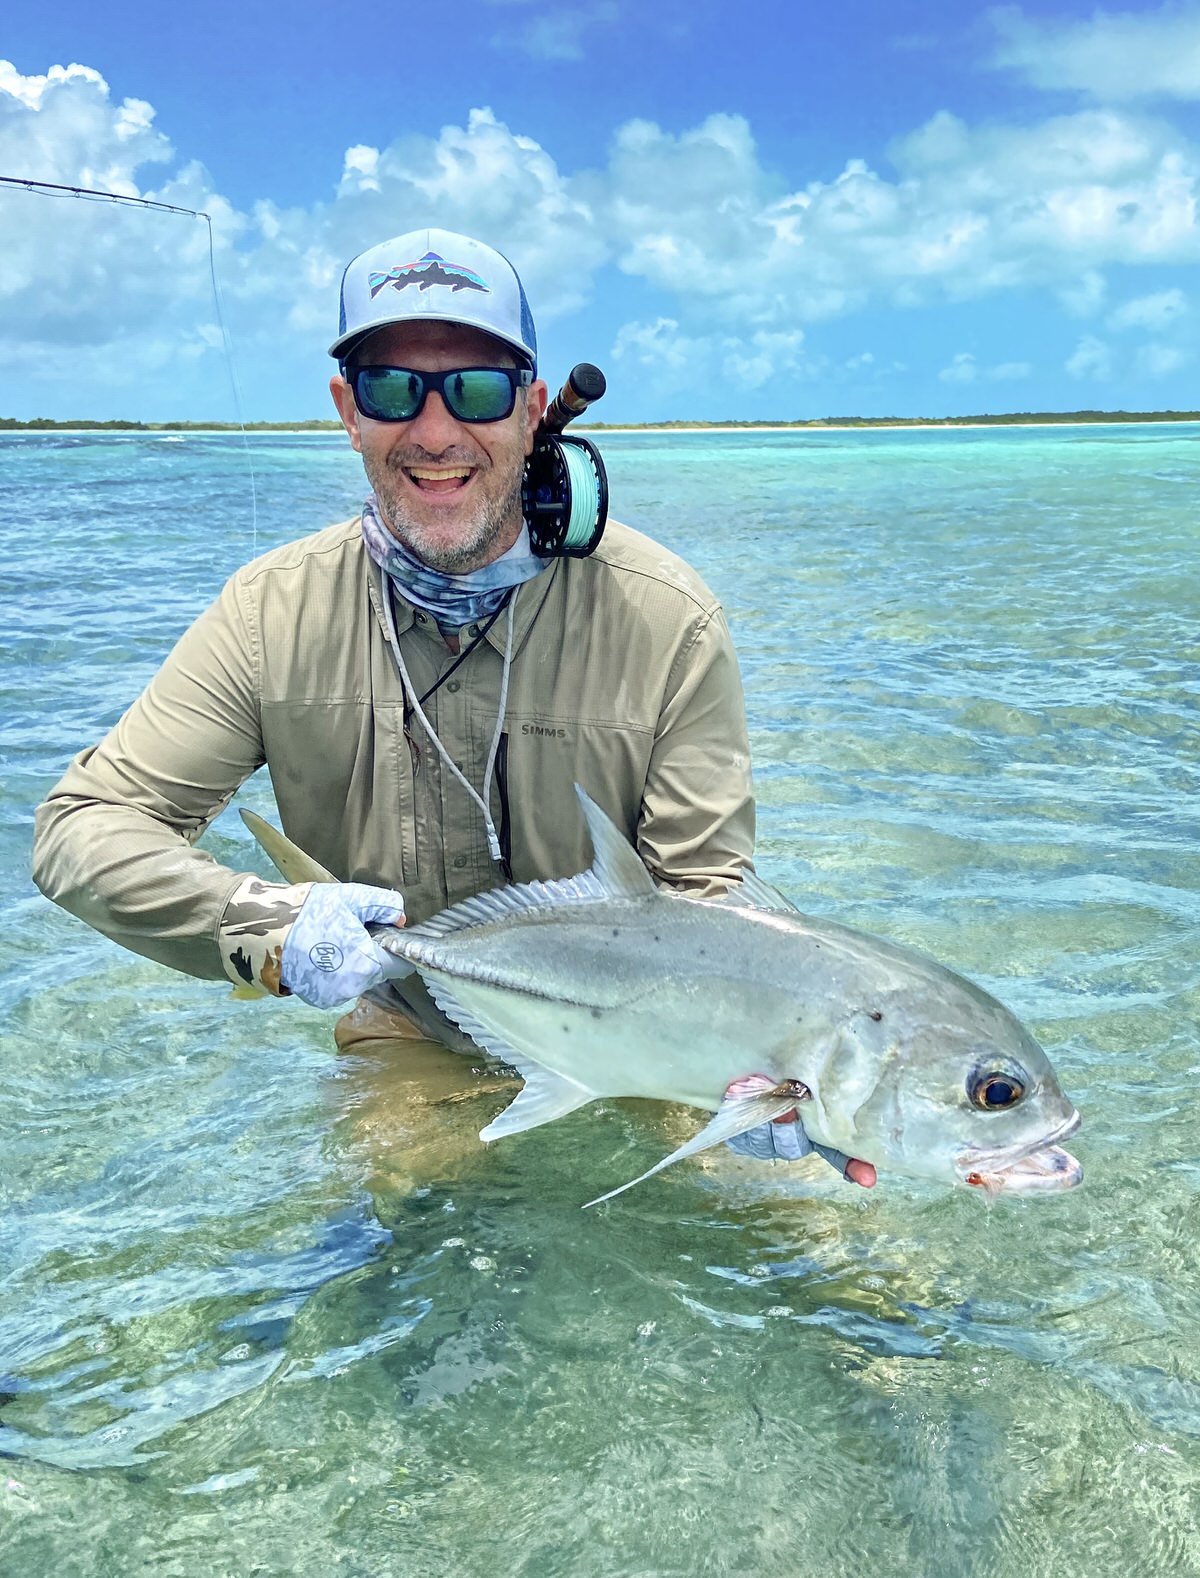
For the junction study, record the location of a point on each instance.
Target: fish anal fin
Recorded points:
(542, 1098)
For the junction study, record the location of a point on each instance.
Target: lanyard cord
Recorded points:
(410, 692)
(465, 653)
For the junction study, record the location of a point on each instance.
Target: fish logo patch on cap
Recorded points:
(426, 271)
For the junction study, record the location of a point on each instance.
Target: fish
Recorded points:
(604, 985)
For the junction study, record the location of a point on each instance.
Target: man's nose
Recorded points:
(435, 427)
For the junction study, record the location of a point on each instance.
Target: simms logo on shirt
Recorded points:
(545, 730)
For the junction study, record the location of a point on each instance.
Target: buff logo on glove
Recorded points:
(326, 956)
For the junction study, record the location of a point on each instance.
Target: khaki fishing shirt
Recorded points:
(623, 679)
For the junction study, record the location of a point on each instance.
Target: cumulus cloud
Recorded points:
(963, 369)
(1114, 55)
(1084, 296)
(1091, 360)
(1156, 361)
(550, 31)
(744, 258)
(670, 357)
(1153, 313)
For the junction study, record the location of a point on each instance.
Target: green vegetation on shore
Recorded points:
(41, 424)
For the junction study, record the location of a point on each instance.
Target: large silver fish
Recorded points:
(603, 985)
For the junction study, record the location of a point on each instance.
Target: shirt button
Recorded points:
(452, 685)
(472, 630)
(459, 862)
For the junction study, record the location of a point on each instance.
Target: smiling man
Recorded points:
(424, 688)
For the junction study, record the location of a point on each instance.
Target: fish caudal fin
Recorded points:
(292, 864)
(734, 1118)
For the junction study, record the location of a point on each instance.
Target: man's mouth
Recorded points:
(439, 479)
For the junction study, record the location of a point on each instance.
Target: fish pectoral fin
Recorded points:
(734, 1118)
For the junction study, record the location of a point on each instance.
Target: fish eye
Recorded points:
(996, 1089)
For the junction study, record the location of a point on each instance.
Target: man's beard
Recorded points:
(476, 534)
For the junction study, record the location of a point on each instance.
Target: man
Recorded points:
(423, 687)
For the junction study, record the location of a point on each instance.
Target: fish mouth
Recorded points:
(1040, 1168)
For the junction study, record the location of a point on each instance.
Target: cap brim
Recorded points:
(345, 344)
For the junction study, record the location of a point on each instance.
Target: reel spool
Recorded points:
(564, 494)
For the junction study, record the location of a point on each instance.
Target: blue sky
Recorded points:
(741, 210)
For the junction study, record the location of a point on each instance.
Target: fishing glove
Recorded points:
(328, 954)
(309, 938)
(781, 1140)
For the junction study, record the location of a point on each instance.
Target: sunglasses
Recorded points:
(472, 394)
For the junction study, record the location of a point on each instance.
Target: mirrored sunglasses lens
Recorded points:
(479, 394)
(392, 394)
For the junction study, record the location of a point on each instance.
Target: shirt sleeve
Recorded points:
(114, 840)
(696, 831)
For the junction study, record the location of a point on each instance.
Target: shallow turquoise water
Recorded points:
(262, 1313)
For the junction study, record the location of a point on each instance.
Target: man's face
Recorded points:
(449, 490)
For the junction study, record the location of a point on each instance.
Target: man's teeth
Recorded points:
(439, 473)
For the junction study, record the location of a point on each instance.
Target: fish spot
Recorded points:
(566, 1030)
(595, 1013)
(616, 933)
(873, 1013)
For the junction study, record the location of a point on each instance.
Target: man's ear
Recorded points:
(537, 398)
(343, 398)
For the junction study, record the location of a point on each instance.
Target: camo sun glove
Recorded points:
(308, 938)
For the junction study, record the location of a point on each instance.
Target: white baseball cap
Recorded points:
(434, 276)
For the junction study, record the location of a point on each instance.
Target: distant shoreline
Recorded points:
(833, 424)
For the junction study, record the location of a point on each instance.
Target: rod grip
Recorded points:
(584, 384)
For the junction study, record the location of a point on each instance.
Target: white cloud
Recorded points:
(962, 370)
(658, 346)
(1154, 313)
(1084, 296)
(556, 31)
(744, 258)
(1090, 360)
(671, 357)
(1156, 361)
(1114, 55)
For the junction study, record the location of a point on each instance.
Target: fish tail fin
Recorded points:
(734, 1118)
(292, 864)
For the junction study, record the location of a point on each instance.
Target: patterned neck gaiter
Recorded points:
(453, 600)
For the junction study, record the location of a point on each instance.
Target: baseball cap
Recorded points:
(434, 276)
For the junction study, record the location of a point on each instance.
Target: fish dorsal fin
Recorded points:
(288, 859)
(615, 865)
(544, 1095)
(615, 873)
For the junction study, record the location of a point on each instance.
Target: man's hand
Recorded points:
(328, 954)
(784, 1139)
